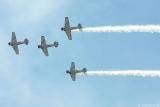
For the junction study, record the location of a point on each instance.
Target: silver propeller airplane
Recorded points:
(14, 43)
(44, 46)
(73, 71)
(69, 29)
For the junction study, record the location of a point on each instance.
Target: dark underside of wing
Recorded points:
(45, 51)
(15, 47)
(69, 35)
(73, 76)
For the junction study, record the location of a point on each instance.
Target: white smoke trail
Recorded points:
(123, 28)
(132, 73)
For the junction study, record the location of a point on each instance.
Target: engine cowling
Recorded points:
(62, 29)
(9, 43)
(67, 72)
(39, 46)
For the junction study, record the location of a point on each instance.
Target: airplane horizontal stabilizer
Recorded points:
(26, 41)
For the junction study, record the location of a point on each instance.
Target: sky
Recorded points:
(33, 80)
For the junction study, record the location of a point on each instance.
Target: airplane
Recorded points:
(69, 29)
(73, 71)
(14, 43)
(44, 46)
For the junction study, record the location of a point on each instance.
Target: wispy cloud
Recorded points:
(31, 11)
(17, 88)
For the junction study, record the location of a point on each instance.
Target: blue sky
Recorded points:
(33, 80)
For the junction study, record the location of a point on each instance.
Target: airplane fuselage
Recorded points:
(47, 46)
(17, 43)
(68, 28)
(50, 45)
(72, 28)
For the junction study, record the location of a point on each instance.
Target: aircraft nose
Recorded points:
(62, 29)
(9, 43)
(67, 72)
(39, 46)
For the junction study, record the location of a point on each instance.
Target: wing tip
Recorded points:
(17, 53)
(46, 55)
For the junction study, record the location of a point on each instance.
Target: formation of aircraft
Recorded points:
(44, 46)
(73, 71)
(68, 29)
(14, 43)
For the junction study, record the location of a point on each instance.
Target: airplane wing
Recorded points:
(45, 51)
(73, 73)
(69, 35)
(73, 66)
(14, 41)
(67, 27)
(67, 24)
(44, 46)
(73, 76)
(15, 47)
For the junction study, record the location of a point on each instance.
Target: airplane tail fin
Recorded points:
(79, 26)
(84, 70)
(56, 44)
(26, 41)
